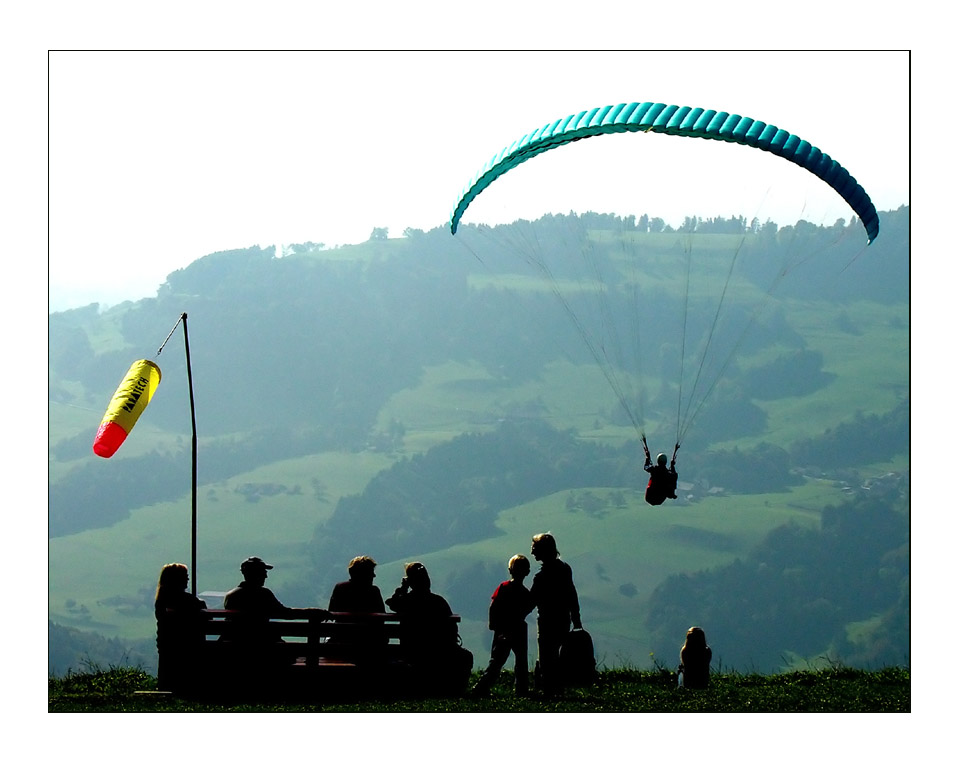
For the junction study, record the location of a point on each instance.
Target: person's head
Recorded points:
(173, 576)
(254, 570)
(416, 576)
(361, 569)
(519, 567)
(696, 637)
(544, 547)
(662, 460)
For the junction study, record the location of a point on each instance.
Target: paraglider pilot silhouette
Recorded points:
(663, 480)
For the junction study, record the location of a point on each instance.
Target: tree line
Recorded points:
(453, 493)
(799, 590)
(296, 355)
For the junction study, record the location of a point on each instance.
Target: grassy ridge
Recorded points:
(834, 690)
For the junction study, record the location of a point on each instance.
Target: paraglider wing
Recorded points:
(681, 121)
(126, 406)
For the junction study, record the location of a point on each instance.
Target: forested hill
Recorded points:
(403, 396)
(298, 354)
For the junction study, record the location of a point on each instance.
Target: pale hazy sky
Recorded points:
(159, 158)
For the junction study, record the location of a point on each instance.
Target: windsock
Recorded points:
(126, 406)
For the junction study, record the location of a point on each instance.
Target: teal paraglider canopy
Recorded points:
(681, 121)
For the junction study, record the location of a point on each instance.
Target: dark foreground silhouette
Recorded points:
(834, 690)
(258, 648)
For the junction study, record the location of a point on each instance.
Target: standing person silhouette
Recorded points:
(558, 606)
(509, 607)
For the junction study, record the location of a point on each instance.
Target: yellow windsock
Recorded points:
(126, 406)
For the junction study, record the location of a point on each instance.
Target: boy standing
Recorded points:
(509, 607)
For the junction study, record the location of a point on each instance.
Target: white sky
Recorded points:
(159, 158)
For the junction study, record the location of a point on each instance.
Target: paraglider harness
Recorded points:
(663, 481)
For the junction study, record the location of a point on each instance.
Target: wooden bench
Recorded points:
(348, 654)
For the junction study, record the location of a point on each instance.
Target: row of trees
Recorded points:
(799, 591)
(298, 354)
(453, 493)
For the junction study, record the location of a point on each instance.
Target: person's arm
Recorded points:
(528, 602)
(334, 605)
(397, 600)
(574, 604)
(279, 610)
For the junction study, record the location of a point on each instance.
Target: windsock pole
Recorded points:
(193, 419)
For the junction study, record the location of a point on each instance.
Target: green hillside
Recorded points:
(318, 372)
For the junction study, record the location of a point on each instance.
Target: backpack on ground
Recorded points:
(577, 660)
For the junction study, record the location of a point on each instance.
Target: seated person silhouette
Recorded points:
(255, 605)
(429, 640)
(695, 655)
(663, 480)
(358, 597)
(180, 637)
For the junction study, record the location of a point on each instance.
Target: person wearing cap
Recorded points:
(258, 604)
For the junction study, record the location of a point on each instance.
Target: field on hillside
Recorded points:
(618, 555)
(619, 547)
(115, 596)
